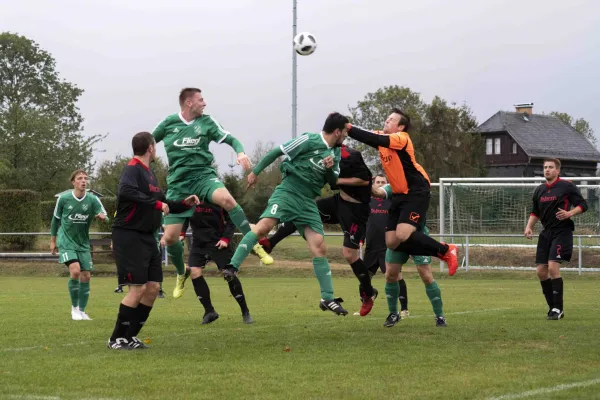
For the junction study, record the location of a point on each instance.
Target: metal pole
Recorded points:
(467, 252)
(294, 74)
(442, 216)
(580, 252)
(451, 212)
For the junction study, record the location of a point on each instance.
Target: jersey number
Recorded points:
(64, 257)
(274, 208)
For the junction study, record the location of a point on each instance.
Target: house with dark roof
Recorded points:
(516, 143)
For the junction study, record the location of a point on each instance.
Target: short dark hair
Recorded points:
(404, 118)
(186, 93)
(140, 143)
(75, 173)
(556, 162)
(334, 121)
(380, 176)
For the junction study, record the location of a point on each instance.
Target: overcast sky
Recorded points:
(132, 58)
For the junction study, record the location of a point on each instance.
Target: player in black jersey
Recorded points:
(349, 208)
(554, 203)
(140, 205)
(212, 231)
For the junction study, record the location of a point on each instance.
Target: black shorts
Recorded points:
(201, 257)
(408, 209)
(554, 246)
(375, 259)
(352, 218)
(137, 257)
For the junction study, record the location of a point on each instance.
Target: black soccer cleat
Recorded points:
(118, 344)
(555, 314)
(392, 320)
(375, 293)
(210, 317)
(137, 344)
(333, 306)
(228, 272)
(119, 289)
(440, 322)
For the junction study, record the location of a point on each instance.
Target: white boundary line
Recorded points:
(254, 327)
(546, 390)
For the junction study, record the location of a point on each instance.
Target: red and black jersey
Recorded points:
(139, 200)
(352, 165)
(548, 198)
(210, 223)
(376, 224)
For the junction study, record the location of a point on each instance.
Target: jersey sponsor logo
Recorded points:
(545, 199)
(386, 159)
(186, 142)
(78, 218)
(414, 217)
(378, 211)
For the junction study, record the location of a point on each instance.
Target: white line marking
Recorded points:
(546, 390)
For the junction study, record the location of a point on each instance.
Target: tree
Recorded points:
(106, 178)
(580, 125)
(444, 135)
(41, 139)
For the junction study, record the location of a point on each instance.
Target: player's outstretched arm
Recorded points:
(378, 192)
(237, 146)
(367, 137)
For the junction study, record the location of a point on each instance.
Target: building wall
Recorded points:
(506, 155)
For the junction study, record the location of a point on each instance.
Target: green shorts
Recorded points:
(202, 185)
(286, 205)
(84, 258)
(418, 260)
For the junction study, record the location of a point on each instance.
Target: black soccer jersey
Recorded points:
(376, 224)
(139, 200)
(547, 199)
(352, 165)
(210, 223)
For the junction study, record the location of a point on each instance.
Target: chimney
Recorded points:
(526, 108)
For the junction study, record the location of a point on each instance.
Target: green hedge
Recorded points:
(19, 212)
(47, 212)
(110, 205)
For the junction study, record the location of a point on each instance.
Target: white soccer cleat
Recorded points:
(76, 314)
(404, 313)
(84, 316)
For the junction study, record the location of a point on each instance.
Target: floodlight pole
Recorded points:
(294, 73)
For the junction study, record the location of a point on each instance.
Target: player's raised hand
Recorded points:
(328, 161)
(528, 233)
(252, 179)
(562, 214)
(165, 209)
(244, 161)
(191, 201)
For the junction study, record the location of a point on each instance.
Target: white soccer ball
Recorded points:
(305, 43)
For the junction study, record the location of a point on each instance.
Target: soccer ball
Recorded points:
(305, 44)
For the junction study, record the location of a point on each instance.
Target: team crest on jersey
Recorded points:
(197, 130)
(85, 207)
(319, 164)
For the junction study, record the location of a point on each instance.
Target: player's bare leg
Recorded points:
(223, 198)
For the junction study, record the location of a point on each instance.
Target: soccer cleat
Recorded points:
(75, 314)
(392, 320)
(451, 258)
(178, 291)
(367, 305)
(84, 316)
(247, 318)
(210, 317)
(118, 344)
(404, 313)
(375, 294)
(440, 322)
(333, 306)
(119, 289)
(555, 314)
(228, 272)
(137, 344)
(266, 245)
(262, 254)
(161, 294)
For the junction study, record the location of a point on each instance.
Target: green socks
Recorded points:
(435, 296)
(243, 249)
(238, 217)
(175, 252)
(84, 295)
(323, 273)
(392, 292)
(74, 292)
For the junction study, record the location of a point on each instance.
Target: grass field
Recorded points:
(497, 345)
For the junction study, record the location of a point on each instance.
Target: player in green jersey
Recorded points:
(187, 136)
(311, 160)
(393, 267)
(69, 237)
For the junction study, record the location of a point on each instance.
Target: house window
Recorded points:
(497, 146)
(488, 146)
(514, 149)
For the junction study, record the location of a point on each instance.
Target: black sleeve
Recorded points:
(369, 138)
(185, 226)
(229, 228)
(129, 189)
(176, 207)
(535, 206)
(576, 199)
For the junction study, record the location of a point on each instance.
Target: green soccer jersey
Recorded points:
(76, 216)
(186, 144)
(303, 168)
